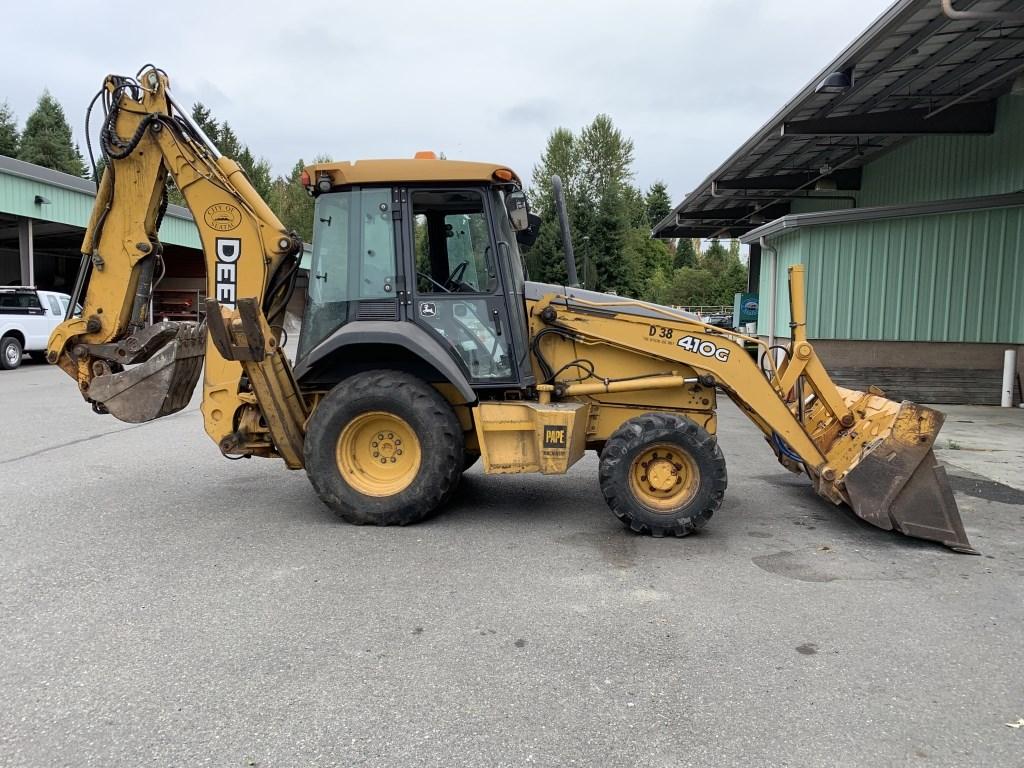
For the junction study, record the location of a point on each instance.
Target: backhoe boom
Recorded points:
(248, 254)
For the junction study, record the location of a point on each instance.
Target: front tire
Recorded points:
(662, 474)
(10, 353)
(384, 448)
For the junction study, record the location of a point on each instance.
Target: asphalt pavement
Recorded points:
(162, 606)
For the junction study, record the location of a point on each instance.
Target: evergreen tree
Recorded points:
(636, 208)
(606, 160)
(657, 202)
(716, 258)
(46, 140)
(545, 259)
(8, 131)
(227, 142)
(645, 259)
(258, 171)
(686, 253)
(609, 217)
(202, 117)
(607, 237)
(292, 203)
(561, 157)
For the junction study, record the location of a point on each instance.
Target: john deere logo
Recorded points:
(222, 217)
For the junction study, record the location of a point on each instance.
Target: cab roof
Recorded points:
(408, 170)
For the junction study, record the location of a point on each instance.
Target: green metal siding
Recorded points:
(948, 277)
(791, 250)
(73, 207)
(67, 206)
(946, 167)
(180, 232)
(954, 277)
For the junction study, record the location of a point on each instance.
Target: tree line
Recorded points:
(47, 140)
(610, 220)
(610, 217)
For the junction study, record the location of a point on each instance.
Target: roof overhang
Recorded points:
(915, 71)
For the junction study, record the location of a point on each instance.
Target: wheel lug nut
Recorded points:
(398, 442)
(380, 435)
(643, 478)
(390, 435)
(376, 454)
(374, 444)
(383, 461)
(399, 451)
(393, 459)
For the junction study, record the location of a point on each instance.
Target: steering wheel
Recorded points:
(455, 278)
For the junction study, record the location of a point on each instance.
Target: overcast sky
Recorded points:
(689, 80)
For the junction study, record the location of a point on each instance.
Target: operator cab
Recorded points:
(428, 243)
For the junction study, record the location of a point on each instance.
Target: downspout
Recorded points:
(773, 304)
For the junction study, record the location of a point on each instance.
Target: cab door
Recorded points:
(456, 283)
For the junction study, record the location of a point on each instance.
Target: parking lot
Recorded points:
(163, 606)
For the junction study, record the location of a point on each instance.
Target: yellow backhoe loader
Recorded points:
(423, 347)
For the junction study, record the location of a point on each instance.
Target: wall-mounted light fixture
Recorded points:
(40, 200)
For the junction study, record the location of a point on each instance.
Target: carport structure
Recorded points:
(43, 215)
(897, 176)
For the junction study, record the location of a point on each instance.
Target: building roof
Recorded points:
(407, 170)
(69, 201)
(915, 71)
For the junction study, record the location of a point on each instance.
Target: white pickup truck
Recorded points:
(27, 316)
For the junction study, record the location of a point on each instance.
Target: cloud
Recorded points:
(688, 81)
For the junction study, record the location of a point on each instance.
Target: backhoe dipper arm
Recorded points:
(248, 254)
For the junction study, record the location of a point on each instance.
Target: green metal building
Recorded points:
(43, 216)
(897, 177)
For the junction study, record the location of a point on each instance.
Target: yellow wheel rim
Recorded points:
(378, 454)
(664, 477)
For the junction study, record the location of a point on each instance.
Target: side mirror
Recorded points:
(518, 210)
(528, 236)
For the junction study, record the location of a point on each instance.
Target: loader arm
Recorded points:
(138, 371)
(858, 448)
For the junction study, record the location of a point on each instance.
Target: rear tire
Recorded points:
(10, 353)
(362, 422)
(662, 474)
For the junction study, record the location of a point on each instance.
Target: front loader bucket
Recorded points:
(160, 386)
(897, 483)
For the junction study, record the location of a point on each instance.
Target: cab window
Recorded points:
(353, 259)
(453, 246)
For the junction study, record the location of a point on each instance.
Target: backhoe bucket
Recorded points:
(896, 483)
(161, 385)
